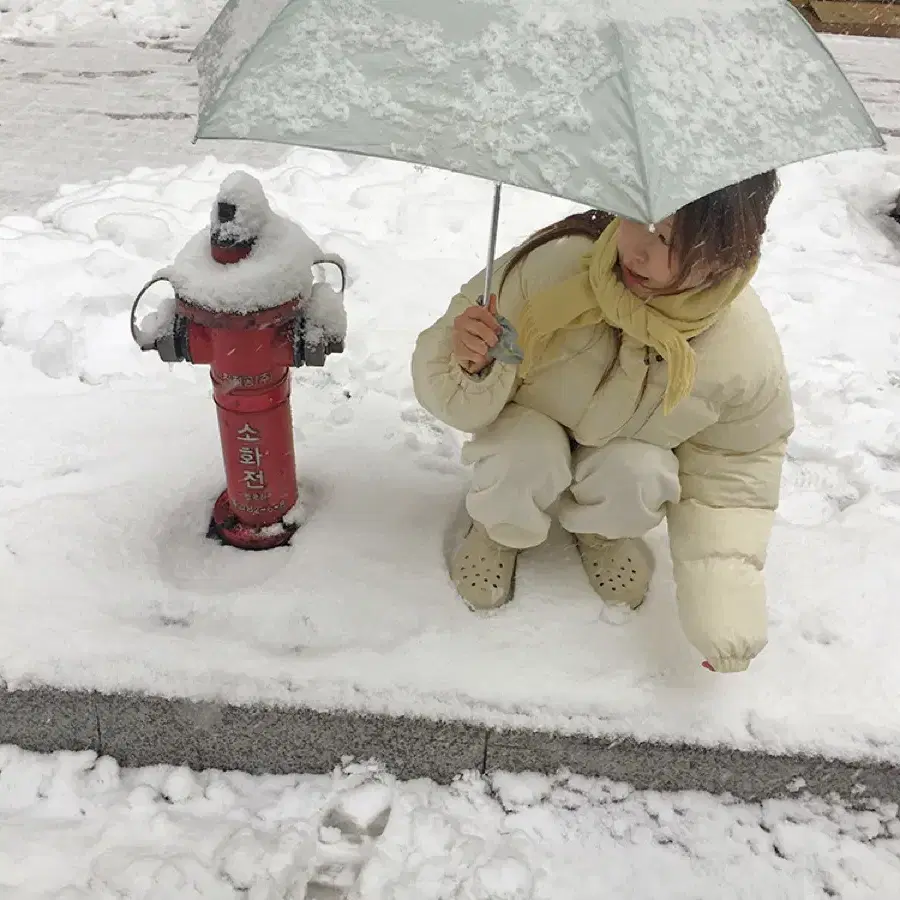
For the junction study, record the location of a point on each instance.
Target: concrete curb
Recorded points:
(140, 730)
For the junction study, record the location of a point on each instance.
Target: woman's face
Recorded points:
(647, 267)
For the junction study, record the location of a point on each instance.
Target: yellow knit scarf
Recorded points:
(596, 296)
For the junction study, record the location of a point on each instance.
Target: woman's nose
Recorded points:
(640, 253)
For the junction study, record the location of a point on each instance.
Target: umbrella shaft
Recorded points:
(492, 246)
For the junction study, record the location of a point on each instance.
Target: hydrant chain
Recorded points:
(135, 333)
(333, 261)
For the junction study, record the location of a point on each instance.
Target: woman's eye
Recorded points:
(662, 238)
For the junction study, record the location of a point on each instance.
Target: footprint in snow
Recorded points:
(347, 839)
(815, 491)
(435, 445)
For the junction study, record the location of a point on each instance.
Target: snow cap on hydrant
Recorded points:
(238, 217)
(274, 258)
(246, 194)
(246, 304)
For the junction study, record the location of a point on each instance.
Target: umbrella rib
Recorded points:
(843, 75)
(247, 55)
(641, 159)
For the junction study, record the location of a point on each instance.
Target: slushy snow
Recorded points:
(112, 461)
(75, 827)
(145, 18)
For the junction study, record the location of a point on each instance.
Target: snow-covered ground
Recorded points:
(73, 826)
(29, 19)
(111, 460)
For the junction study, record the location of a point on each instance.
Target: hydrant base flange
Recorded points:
(226, 527)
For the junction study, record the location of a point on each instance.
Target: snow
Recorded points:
(252, 212)
(77, 826)
(149, 330)
(112, 461)
(325, 314)
(279, 267)
(148, 18)
(558, 14)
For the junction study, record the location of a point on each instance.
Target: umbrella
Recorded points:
(636, 107)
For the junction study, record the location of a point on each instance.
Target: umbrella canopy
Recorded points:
(636, 107)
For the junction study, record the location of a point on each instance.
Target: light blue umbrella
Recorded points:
(636, 107)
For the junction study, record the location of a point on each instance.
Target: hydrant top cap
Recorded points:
(241, 212)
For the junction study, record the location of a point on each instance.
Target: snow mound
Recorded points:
(279, 268)
(77, 827)
(252, 211)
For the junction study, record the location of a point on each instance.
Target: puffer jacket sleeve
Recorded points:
(462, 401)
(719, 531)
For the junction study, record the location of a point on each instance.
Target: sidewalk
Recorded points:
(84, 111)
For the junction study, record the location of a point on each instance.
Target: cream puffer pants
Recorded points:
(523, 463)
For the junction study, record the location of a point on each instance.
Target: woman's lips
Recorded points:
(631, 278)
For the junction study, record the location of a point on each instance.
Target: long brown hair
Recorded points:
(720, 232)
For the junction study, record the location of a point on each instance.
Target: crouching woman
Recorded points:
(652, 385)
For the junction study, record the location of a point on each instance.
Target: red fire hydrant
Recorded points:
(251, 335)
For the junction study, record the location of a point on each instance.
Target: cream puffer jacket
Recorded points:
(730, 436)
